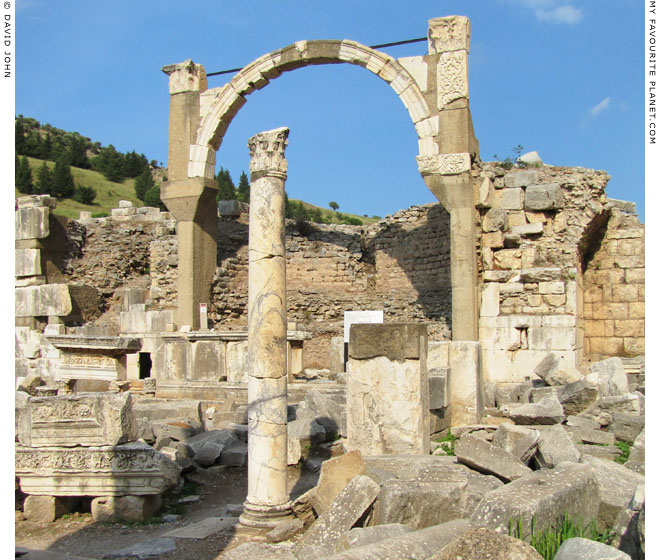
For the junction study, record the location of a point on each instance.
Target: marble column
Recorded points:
(267, 501)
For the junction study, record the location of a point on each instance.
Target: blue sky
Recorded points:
(563, 77)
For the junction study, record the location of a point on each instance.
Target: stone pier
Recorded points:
(267, 501)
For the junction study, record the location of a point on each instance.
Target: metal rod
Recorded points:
(384, 45)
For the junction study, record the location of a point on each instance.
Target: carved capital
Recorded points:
(450, 33)
(444, 164)
(267, 152)
(186, 76)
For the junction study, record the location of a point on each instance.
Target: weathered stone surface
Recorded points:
(577, 396)
(31, 223)
(616, 485)
(128, 469)
(554, 371)
(611, 377)
(416, 504)
(256, 550)
(585, 435)
(582, 422)
(420, 544)
(480, 543)
(485, 457)
(520, 442)
(528, 229)
(512, 393)
(307, 430)
(208, 453)
(636, 459)
(547, 411)
(546, 495)
(235, 454)
(554, 447)
(90, 420)
(176, 429)
(608, 452)
(362, 536)
(525, 178)
(626, 427)
(547, 196)
(335, 474)
(27, 262)
(44, 509)
(604, 408)
(145, 549)
(586, 549)
(546, 274)
(329, 413)
(495, 220)
(43, 301)
(395, 341)
(113, 509)
(329, 529)
(626, 537)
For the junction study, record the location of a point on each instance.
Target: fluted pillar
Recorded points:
(267, 501)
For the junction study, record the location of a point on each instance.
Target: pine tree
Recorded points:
(111, 163)
(76, 152)
(134, 164)
(226, 188)
(152, 198)
(19, 142)
(44, 180)
(63, 186)
(24, 176)
(47, 147)
(143, 183)
(243, 188)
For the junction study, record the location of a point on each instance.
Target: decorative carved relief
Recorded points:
(452, 78)
(116, 459)
(449, 34)
(444, 164)
(267, 152)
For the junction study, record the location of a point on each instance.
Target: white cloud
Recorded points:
(597, 109)
(553, 11)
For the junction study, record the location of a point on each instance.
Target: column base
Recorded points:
(265, 516)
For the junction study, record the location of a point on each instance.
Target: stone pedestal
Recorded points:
(267, 501)
(387, 391)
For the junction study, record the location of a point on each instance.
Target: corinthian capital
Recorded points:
(267, 152)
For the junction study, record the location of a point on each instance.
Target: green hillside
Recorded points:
(108, 194)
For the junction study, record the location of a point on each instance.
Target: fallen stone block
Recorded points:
(256, 550)
(419, 504)
(285, 530)
(607, 452)
(512, 393)
(626, 537)
(582, 422)
(144, 549)
(519, 441)
(547, 411)
(485, 543)
(610, 375)
(616, 486)
(362, 536)
(113, 509)
(307, 430)
(420, 545)
(577, 396)
(626, 427)
(234, 454)
(205, 528)
(594, 437)
(548, 494)
(554, 447)
(487, 458)
(555, 372)
(328, 412)
(586, 549)
(636, 459)
(293, 451)
(179, 429)
(215, 437)
(603, 409)
(328, 531)
(335, 475)
(87, 419)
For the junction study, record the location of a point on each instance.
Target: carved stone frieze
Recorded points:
(78, 420)
(267, 152)
(444, 164)
(134, 469)
(449, 34)
(452, 78)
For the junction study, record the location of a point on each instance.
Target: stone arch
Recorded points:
(218, 106)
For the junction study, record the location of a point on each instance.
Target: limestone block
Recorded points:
(335, 475)
(114, 509)
(208, 360)
(27, 262)
(336, 354)
(329, 413)
(547, 196)
(89, 420)
(484, 193)
(438, 354)
(484, 543)
(616, 487)
(528, 229)
(485, 457)
(415, 503)
(495, 220)
(514, 179)
(610, 376)
(490, 300)
(552, 372)
(552, 287)
(130, 469)
(508, 259)
(329, 530)
(362, 536)
(540, 274)
(417, 68)
(586, 549)
(43, 301)
(547, 495)
(31, 223)
(577, 396)
(444, 164)
(590, 436)
(465, 383)
(547, 411)
(520, 442)
(36, 201)
(510, 199)
(516, 218)
(626, 427)
(185, 76)
(44, 509)
(438, 390)
(293, 451)
(448, 34)
(554, 447)
(428, 127)
(428, 147)
(236, 361)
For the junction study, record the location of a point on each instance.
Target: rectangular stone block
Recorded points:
(551, 288)
(236, 361)
(336, 354)
(43, 301)
(387, 389)
(547, 196)
(79, 420)
(515, 179)
(208, 360)
(27, 262)
(490, 299)
(465, 383)
(31, 223)
(510, 199)
(528, 229)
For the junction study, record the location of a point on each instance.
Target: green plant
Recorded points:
(447, 442)
(100, 215)
(84, 195)
(189, 488)
(548, 541)
(624, 447)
